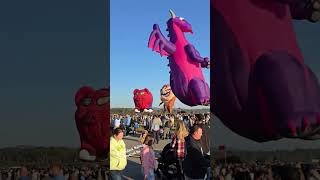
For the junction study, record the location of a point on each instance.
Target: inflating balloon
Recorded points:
(92, 119)
(167, 98)
(262, 88)
(186, 78)
(142, 100)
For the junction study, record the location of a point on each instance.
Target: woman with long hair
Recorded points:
(143, 136)
(178, 143)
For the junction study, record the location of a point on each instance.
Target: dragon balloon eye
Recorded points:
(181, 18)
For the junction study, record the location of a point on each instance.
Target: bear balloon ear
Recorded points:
(146, 90)
(135, 91)
(82, 93)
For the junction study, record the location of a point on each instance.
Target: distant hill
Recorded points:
(156, 110)
(39, 155)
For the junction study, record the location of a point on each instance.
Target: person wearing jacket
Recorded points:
(195, 163)
(148, 160)
(178, 143)
(118, 158)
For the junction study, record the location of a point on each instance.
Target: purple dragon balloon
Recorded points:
(263, 90)
(186, 78)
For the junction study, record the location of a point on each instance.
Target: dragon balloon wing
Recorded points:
(158, 42)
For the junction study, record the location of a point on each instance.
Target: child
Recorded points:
(161, 133)
(136, 126)
(148, 160)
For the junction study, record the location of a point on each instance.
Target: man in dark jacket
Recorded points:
(195, 163)
(205, 141)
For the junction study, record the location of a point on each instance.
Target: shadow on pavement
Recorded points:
(133, 171)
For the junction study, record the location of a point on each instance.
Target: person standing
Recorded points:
(117, 122)
(186, 121)
(144, 122)
(178, 143)
(128, 123)
(156, 123)
(166, 130)
(148, 160)
(136, 126)
(205, 143)
(143, 136)
(196, 165)
(149, 122)
(118, 158)
(172, 121)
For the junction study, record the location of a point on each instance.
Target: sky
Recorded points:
(307, 37)
(132, 64)
(48, 50)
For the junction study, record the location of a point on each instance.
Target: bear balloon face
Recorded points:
(92, 105)
(92, 119)
(166, 93)
(142, 99)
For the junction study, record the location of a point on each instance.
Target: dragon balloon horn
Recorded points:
(173, 15)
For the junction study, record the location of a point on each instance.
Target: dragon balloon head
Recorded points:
(166, 92)
(180, 22)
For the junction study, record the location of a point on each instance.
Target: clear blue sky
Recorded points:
(132, 64)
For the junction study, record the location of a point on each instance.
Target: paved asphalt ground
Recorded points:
(133, 168)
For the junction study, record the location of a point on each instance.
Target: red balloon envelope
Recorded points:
(92, 119)
(142, 100)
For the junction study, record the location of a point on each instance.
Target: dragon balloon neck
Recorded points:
(175, 33)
